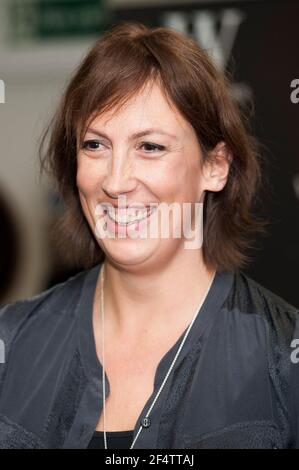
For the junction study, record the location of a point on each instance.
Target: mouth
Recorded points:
(123, 220)
(128, 216)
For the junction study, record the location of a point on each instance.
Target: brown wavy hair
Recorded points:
(117, 66)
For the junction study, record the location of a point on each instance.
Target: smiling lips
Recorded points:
(128, 215)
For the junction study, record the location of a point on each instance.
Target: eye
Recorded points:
(149, 147)
(91, 145)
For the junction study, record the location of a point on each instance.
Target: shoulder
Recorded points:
(21, 308)
(57, 300)
(250, 298)
(267, 326)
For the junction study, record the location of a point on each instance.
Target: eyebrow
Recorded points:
(136, 135)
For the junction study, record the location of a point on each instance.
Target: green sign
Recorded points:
(56, 19)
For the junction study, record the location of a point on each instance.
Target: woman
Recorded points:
(156, 344)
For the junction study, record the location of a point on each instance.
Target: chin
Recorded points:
(130, 252)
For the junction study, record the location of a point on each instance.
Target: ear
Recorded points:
(216, 168)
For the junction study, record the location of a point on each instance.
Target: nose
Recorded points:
(119, 178)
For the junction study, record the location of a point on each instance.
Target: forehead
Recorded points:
(147, 108)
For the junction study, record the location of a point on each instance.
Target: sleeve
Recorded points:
(15, 316)
(11, 317)
(2, 340)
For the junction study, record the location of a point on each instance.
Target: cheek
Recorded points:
(179, 183)
(87, 178)
(189, 179)
(167, 176)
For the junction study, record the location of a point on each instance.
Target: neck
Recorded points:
(138, 302)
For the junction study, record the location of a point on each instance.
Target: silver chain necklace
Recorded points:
(145, 420)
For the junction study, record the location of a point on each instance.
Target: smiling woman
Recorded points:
(161, 80)
(154, 344)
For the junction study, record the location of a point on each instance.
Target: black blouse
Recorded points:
(115, 440)
(234, 384)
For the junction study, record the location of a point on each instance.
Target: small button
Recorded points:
(145, 422)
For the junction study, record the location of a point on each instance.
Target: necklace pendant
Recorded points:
(145, 422)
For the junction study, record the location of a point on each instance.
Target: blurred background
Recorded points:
(42, 41)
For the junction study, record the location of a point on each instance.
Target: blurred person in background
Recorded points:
(153, 344)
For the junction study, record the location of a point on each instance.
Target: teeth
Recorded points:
(126, 219)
